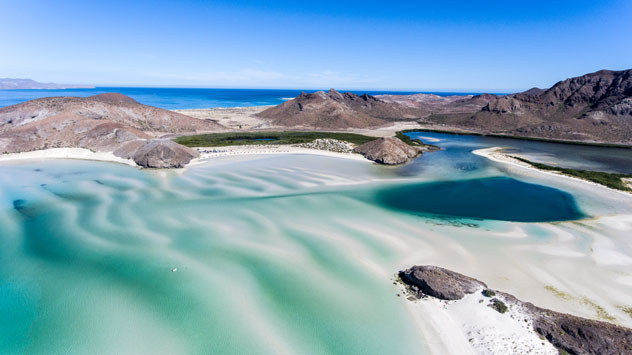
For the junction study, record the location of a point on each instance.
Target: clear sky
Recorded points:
(495, 46)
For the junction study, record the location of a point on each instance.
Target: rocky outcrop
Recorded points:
(576, 335)
(108, 122)
(93, 110)
(162, 153)
(388, 150)
(595, 107)
(439, 282)
(335, 110)
(568, 333)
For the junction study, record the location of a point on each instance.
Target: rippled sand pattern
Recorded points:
(279, 255)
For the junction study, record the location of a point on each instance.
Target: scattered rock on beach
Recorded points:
(330, 145)
(388, 150)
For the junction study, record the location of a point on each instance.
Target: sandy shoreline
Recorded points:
(206, 153)
(496, 154)
(66, 153)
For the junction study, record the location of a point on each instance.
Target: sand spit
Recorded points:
(207, 153)
(496, 154)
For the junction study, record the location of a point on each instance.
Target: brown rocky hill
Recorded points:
(101, 123)
(335, 110)
(594, 107)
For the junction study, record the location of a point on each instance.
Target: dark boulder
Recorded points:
(439, 282)
(388, 150)
(162, 153)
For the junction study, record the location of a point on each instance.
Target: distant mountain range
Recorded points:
(16, 84)
(595, 107)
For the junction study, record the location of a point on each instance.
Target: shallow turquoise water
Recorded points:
(88, 250)
(285, 254)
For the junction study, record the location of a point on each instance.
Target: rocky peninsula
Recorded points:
(568, 334)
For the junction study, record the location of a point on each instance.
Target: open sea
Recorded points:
(182, 98)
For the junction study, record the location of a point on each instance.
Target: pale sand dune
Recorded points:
(231, 117)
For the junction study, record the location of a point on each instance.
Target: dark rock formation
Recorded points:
(162, 153)
(389, 151)
(568, 333)
(335, 110)
(439, 282)
(577, 335)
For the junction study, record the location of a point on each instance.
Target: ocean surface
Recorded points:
(182, 98)
(290, 254)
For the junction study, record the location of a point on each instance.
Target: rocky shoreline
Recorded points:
(567, 333)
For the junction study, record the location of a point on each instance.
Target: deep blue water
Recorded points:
(495, 198)
(183, 98)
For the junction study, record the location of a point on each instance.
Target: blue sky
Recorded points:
(495, 46)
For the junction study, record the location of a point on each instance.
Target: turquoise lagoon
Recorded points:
(264, 254)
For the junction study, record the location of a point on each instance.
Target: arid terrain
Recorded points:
(595, 107)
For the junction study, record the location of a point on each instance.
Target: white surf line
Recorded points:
(496, 154)
(66, 153)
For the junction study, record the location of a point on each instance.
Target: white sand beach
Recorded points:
(207, 153)
(66, 153)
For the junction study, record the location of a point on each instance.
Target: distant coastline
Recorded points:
(185, 98)
(30, 84)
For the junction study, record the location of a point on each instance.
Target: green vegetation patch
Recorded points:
(410, 141)
(489, 293)
(498, 305)
(611, 180)
(249, 138)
